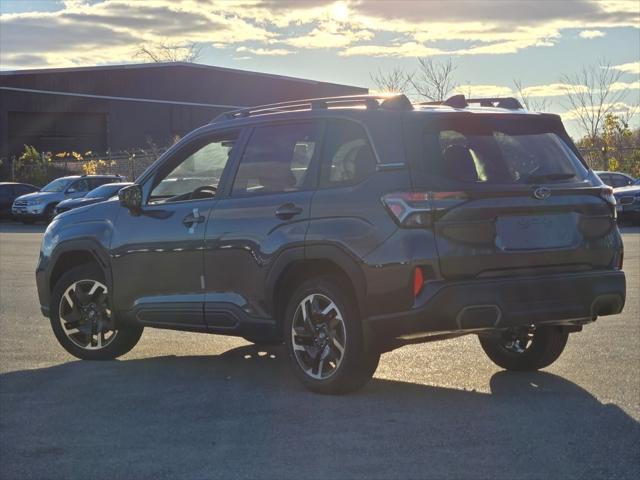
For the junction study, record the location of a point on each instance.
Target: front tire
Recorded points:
(524, 349)
(324, 340)
(82, 319)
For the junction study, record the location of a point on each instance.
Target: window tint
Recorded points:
(606, 178)
(501, 156)
(619, 181)
(81, 185)
(276, 159)
(202, 167)
(347, 155)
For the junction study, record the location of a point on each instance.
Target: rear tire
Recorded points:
(82, 299)
(326, 345)
(510, 350)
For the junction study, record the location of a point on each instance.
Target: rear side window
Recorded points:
(81, 185)
(501, 154)
(347, 156)
(276, 159)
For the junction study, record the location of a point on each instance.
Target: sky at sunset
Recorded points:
(492, 42)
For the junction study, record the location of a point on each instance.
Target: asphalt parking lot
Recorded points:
(204, 406)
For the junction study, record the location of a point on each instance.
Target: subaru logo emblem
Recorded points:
(542, 193)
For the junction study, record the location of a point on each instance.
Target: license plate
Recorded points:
(532, 232)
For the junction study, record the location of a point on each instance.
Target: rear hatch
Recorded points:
(510, 196)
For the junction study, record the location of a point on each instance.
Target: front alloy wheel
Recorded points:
(85, 316)
(82, 318)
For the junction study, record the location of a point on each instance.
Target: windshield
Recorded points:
(104, 191)
(484, 153)
(57, 185)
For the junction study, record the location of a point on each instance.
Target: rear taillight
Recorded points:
(419, 209)
(606, 193)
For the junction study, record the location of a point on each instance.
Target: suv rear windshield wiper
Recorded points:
(549, 176)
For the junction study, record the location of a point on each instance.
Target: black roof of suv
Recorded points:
(343, 228)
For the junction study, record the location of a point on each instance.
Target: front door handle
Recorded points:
(192, 218)
(287, 211)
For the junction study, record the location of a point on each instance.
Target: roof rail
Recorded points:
(396, 102)
(459, 101)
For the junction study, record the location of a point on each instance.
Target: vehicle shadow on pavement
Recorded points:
(243, 414)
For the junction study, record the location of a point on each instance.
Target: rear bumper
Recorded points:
(480, 304)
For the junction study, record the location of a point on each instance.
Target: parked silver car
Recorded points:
(40, 205)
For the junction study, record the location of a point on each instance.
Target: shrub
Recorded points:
(31, 166)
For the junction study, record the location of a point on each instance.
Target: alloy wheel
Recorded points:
(318, 336)
(85, 315)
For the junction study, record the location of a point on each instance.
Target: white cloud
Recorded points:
(408, 49)
(481, 90)
(618, 108)
(632, 67)
(278, 52)
(626, 85)
(109, 30)
(551, 90)
(591, 34)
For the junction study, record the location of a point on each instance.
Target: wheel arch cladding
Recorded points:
(298, 271)
(72, 258)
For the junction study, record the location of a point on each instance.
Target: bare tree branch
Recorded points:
(434, 80)
(165, 51)
(395, 80)
(590, 97)
(537, 105)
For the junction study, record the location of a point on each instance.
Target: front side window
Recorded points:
(347, 154)
(276, 159)
(198, 172)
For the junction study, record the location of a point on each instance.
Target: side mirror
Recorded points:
(131, 197)
(71, 190)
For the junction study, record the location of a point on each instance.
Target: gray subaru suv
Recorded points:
(344, 228)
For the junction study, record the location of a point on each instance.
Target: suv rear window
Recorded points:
(488, 152)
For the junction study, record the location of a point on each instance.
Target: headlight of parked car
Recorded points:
(36, 201)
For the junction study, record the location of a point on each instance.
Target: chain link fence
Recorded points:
(131, 164)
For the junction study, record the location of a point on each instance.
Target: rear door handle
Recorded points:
(287, 211)
(192, 218)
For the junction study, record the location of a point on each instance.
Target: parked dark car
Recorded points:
(96, 195)
(344, 228)
(628, 203)
(9, 191)
(41, 205)
(615, 179)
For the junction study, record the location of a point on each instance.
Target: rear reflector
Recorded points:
(418, 281)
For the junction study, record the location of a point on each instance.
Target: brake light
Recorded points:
(417, 209)
(418, 281)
